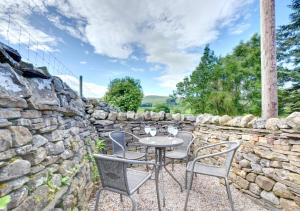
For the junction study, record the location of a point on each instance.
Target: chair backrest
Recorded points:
(232, 148)
(187, 138)
(118, 139)
(113, 173)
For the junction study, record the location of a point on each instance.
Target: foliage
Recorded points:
(176, 110)
(228, 85)
(100, 145)
(162, 107)
(4, 201)
(155, 99)
(65, 180)
(288, 56)
(125, 93)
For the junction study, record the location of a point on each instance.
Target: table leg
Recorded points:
(157, 168)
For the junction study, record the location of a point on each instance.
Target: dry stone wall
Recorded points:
(267, 165)
(43, 142)
(106, 119)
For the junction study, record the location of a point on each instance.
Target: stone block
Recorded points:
(264, 182)
(272, 124)
(254, 188)
(31, 114)
(282, 191)
(130, 115)
(38, 140)
(289, 205)
(244, 184)
(7, 101)
(251, 177)
(5, 139)
(17, 197)
(21, 135)
(8, 113)
(293, 120)
(14, 170)
(270, 197)
(294, 178)
(112, 116)
(55, 148)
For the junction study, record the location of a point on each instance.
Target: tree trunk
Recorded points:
(268, 59)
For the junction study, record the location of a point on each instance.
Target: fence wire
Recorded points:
(31, 50)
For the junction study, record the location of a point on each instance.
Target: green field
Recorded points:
(155, 99)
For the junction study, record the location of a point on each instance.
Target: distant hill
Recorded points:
(155, 99)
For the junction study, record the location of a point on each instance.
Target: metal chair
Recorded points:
(183, 151)
(120, 145)
(116, 177)
(195, 167)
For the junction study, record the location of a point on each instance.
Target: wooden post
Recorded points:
(80, 86)
(268, 59)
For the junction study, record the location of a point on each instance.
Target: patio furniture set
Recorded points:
(116, 174)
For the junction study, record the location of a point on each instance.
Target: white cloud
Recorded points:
(90, 90)
(163, 29)
(83, 62)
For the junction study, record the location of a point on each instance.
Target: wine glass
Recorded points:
(170, 129)
(174, 131)
(147, 129)
(153, 131)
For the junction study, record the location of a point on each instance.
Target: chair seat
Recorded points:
(131, 155)
(136, 178)
(176, 154)
(206, 169)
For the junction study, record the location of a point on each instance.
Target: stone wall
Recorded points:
(43, 141)
(267, 165)
(106, 119)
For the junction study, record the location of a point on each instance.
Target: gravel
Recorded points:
(207, 194)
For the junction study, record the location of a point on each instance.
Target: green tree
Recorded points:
(288, 56)
(195, 89)
(228, 85)
(125, 93)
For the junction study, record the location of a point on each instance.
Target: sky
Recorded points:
(158, 42)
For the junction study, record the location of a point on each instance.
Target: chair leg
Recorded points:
(134, 208)
(173, 164)
(229, 194)
(138, 191)
(185, 179)
(146, 158)
(121, 198)
(97, 199)
(188, 191)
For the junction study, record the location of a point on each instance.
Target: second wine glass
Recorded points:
(152, 131)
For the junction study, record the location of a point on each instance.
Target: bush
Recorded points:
(176, 110)
(125, 93)
(162, 107)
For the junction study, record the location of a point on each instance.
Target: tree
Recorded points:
(125, 93)
(196, 89)
(226, 85)
(288, 56)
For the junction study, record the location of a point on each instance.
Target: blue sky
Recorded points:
(158, 42)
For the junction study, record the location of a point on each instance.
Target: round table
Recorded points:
(160, 143)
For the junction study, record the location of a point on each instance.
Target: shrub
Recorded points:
(125, 93)
(162, 107)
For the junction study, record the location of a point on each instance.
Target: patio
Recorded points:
(207, 194)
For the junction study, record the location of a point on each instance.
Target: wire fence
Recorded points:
(30, 48)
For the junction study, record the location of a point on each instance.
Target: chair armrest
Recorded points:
(210, 155)
(209, 146)
(112, 157)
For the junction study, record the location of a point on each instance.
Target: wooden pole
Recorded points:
(80, 86)
(268, 59)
